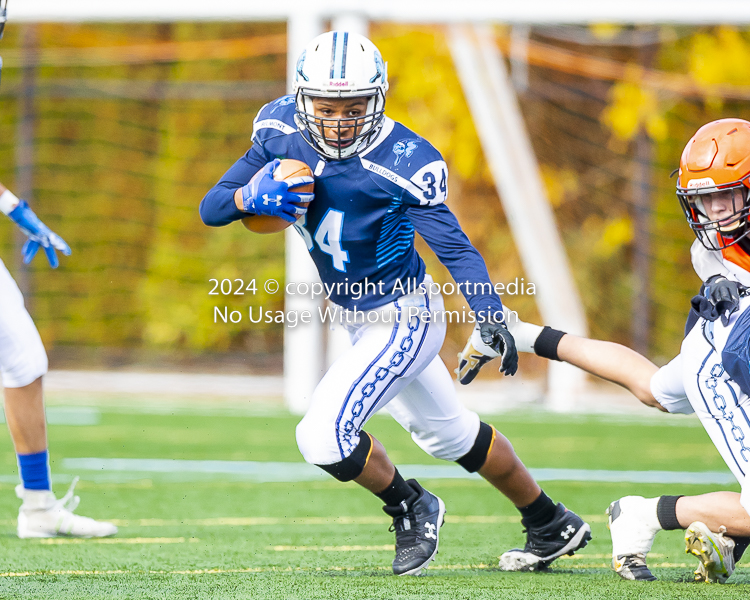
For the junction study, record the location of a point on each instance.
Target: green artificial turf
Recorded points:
(225, 537)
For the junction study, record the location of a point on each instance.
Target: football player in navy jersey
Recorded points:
(376, 184)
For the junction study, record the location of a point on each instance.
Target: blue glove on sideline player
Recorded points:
(263, 195)
(39, 235)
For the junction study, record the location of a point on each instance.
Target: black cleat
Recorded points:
(565, 534)
(417, 523)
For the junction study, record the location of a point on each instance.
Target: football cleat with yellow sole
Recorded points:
(714, 550)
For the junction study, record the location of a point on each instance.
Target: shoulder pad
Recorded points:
(412, 163)
(274, 119)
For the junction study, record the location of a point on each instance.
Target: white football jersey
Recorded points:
(697, 381)
(710, 262)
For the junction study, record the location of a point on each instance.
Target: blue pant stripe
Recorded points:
(406, 368)
(359, 379)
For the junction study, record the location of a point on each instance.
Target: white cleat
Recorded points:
(714, 550)
(43, 516)
(633, 524)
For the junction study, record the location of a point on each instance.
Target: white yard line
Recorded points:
(296, 472)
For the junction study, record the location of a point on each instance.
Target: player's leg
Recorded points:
(634, 521)
(444, 428)
(23, 362)
(24, 413)
(385, 357)
(716, 510)
(717, 532)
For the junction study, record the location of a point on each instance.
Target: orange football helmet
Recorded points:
(717, 158)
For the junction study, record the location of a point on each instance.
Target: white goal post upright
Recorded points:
(510, 156)
(304, 356)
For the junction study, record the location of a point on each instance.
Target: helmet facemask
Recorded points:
(717, 234)
(337, 147)
(340, 67)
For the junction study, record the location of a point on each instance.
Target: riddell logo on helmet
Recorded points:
(338, 83)
(701, 183)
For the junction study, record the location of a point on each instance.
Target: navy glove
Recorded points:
(497, 337)
(720, 298)
(39, 235)
(263, 195)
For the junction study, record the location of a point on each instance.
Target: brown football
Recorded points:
(266, 223)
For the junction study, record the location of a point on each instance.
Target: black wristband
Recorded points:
(666, 512)
(547, 342)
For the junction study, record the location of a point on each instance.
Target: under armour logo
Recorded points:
(275, 201)
(430, 531)
(568, 532)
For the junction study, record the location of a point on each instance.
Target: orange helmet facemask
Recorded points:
(717, 161)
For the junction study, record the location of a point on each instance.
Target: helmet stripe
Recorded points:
(343, 60)
(333, 53)
(339, 46)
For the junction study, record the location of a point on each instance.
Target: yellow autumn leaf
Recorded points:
(631, 108)
(617, 233)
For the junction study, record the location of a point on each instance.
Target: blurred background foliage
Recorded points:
(119, 136)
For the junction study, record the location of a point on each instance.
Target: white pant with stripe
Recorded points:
(393, 363)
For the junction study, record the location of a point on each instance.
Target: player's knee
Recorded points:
(351, 467)
(26, 366)
(475, 458)
(320, 443)
(312, 443)
(452, 440)
(323, 451)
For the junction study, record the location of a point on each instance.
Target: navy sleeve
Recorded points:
(440, 229)
(217, 207)
(736, 353)
(693, 316)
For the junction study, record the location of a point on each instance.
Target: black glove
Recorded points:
(497, 337)
(724, 295)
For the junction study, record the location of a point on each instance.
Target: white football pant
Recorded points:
(22, 356)
(393, 361)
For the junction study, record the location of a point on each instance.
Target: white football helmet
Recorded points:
(340, 64)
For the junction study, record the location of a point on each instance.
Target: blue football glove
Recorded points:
(266, 196)
(39, 235)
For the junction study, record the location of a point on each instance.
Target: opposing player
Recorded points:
(710, 376)
(376, 183)
(23, 363)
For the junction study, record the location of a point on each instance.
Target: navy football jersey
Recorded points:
(366, 210)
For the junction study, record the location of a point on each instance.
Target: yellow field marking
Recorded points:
(268, 521)
(138, 540)
(584, 556)
(384, 547)
(391, 548)
(250, 570)
(239, 571)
